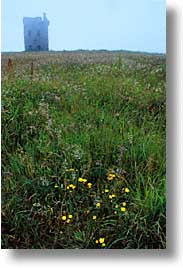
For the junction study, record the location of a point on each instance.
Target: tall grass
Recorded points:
(102, 122)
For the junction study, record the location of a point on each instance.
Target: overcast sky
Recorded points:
(138, 25)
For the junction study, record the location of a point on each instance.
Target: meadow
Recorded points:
(83, 150)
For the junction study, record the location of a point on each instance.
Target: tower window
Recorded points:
(39, 47)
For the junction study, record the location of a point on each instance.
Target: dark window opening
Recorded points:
(30, 47)
(39, 47)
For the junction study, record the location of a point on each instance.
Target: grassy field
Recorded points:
(83, 150)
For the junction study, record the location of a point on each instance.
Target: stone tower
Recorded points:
(36, 33)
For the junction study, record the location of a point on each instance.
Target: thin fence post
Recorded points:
(32, 70)
(10, 68)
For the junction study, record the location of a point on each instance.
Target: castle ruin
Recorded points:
(36, 33)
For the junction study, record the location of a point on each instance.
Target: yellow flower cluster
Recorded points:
(89, 184)
(82, 180)
(71, 187)
(111, 176)
(122, 209)
(94, 217)
(101, 241)
(111, 196)
(66, 219)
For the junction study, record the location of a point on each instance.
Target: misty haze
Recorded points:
(84, 124)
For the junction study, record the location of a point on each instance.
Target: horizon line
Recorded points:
(90, 50)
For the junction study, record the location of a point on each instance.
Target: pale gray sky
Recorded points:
(138, 25)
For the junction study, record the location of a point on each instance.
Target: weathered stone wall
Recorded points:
(36, 33)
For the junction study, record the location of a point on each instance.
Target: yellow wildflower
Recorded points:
(123, 209)
(56, 186)
(82, 180)
(70, 216)
(101, 240)
(106, 190)
(68, 220)
(89, 184)
(94, 217)
(111, 196)
(123, 204)
(111, 176)
(71, 187)
(115, 212)
(127, 190)
(98, 205)
(116, 206)
(63, 218)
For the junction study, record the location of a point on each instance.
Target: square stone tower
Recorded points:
(36, 33)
